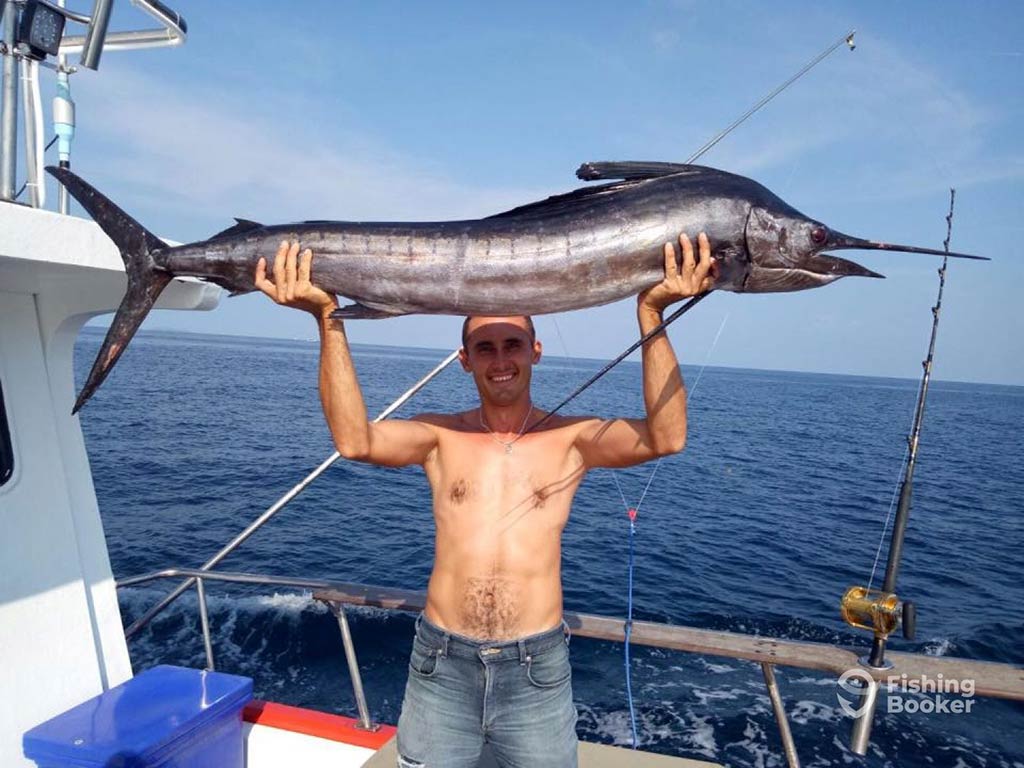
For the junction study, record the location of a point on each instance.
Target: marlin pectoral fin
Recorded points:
(361, 312)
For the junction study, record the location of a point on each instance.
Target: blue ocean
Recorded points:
(776, 506)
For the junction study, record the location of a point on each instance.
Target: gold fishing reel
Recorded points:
(878, 612)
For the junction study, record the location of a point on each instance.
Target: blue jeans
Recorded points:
(514, 695)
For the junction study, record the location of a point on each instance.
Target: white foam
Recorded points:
(755, 744)
(701, 736)
(291, 602)
(718, 669)
(938, 646)
(805, 711)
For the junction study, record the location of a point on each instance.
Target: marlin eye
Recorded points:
(819, 235)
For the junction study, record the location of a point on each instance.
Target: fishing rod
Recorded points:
(629, 350)
(846, 39)
(881, 611)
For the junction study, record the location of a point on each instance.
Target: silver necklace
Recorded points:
(506, 443)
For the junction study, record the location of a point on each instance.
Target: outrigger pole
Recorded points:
(881, 611)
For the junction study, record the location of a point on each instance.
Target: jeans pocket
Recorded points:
(424, 659)
(550, 668)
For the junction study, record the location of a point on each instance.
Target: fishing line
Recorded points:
(561, 338)
(888, 517)
(632, 513)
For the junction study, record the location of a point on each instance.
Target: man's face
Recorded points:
(500, 353)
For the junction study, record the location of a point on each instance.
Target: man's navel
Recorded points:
(490, 608)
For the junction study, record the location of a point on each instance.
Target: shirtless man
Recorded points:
(490, 658)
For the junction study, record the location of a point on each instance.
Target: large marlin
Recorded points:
(591, 246)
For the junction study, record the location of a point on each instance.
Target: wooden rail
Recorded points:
(1003, 681)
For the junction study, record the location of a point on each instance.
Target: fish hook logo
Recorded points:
(853, 682)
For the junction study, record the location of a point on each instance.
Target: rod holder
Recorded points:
(860, 734)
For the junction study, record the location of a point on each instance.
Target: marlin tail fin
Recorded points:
(145, 280)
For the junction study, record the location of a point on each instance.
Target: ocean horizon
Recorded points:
(100, 331)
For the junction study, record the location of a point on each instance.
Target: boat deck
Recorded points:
(590, 756)
(277, 734)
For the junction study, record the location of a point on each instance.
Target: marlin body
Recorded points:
(592, 246)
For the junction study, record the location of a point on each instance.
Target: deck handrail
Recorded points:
(993, 679)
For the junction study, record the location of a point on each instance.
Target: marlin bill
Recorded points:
(591, 246)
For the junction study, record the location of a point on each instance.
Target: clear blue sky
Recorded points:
(418, 111)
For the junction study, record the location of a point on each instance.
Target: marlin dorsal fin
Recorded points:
(240, 227)
(629, 170)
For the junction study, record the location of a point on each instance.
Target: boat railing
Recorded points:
(997, 680)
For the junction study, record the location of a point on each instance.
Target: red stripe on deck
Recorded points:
(313, 723)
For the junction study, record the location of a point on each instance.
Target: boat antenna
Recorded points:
(880, 610)
(846, 39)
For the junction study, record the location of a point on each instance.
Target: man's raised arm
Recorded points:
(391, 443)
(624, 442)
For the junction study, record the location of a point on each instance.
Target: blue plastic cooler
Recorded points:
(167, 717)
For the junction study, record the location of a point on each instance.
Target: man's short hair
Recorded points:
(529, 327)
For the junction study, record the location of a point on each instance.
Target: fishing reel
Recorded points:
(878, 612)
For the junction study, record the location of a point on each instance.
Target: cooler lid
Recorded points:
(136, 718)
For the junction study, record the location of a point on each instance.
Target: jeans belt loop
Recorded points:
(567, 631)
(523, 655)
(443, 651)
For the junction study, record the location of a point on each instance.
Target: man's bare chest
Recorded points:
(474, 471)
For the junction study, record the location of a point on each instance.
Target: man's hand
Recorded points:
(291, 286)
(695, 277)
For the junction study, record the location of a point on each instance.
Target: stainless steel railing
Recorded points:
(171, 32)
